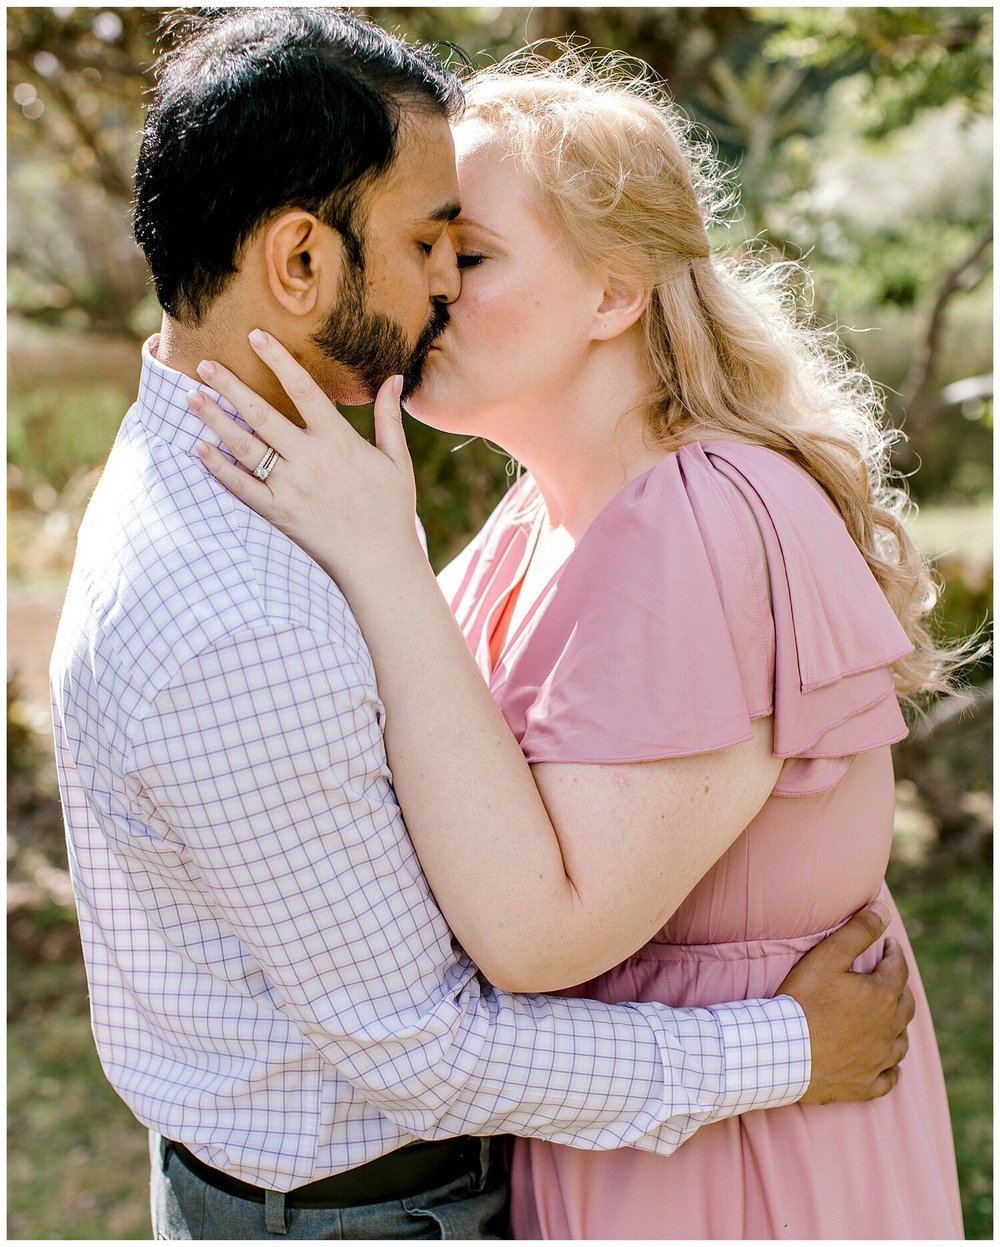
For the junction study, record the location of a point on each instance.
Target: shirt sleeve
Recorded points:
(262, 769)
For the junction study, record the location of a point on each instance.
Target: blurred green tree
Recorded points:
(926, 72)
(915, 58)
(76, 79)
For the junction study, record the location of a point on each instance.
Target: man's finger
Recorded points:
(892, 968)
(906, 1009)
(885, 1082)
(857, 934)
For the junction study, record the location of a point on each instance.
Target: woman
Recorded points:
(694, 614)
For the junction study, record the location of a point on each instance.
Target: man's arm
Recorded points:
(262, 764)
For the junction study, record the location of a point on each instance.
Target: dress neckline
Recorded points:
(491, 664)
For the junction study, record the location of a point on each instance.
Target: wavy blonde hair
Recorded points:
(620, 174)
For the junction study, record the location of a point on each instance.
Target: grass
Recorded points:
(949, 920)
(52, 430)
(77, 1165)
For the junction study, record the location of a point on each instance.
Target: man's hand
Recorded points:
(857, 1022)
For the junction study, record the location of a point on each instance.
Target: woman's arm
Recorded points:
(546, 879)
(552, 875)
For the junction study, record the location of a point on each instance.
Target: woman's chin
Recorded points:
(424, 406)
(439, 402)
(426, 414)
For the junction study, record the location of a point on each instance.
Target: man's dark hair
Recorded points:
(257, 110)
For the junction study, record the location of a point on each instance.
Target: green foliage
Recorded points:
(956, 459)
(899, 266)
(78, 1165)
(54, 431)
(915, 58)
(23, 747)
(458, 483)
(964, 609)
(77, 77)
(958, 540)
(679, 42)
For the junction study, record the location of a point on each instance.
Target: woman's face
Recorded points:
(520, 330)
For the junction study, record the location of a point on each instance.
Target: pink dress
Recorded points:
(656, 639)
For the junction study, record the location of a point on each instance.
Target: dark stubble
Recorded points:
(370, 343)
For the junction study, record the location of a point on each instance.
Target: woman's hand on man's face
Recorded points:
(347, 503)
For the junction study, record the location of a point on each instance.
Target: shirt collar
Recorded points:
(161, 404)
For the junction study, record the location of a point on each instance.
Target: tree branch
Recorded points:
(919, 380)
(927, 759)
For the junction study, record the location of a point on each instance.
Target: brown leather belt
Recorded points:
(409, 1170)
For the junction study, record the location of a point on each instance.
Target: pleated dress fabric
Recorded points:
(671, 626)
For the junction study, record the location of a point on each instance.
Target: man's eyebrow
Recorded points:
(447, 212)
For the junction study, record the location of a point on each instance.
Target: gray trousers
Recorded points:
(472, 1206)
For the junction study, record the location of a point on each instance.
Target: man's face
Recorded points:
(390, 309)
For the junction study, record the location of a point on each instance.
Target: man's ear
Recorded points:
(620, 308)
(301, 257)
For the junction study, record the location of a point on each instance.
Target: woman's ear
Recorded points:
(620, 308)
(301, 257)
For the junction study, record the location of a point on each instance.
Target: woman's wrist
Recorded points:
(377, 568)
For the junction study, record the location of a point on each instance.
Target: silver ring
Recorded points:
(263, 469)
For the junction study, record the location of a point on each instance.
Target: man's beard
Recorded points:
(370, 343)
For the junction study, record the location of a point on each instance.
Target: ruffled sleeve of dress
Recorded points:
(669, 628)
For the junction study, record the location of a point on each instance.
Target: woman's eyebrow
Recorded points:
(466, 222)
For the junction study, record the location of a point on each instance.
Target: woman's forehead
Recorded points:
(473, 135)
(484, 159)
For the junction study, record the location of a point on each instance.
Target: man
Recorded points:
(274, 992)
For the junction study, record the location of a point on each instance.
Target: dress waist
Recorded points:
(711, 973)
(731, 950)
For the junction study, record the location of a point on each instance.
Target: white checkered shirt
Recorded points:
(271, 982)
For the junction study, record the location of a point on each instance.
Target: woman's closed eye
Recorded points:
(469, 259)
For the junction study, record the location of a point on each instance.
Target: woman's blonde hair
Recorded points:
(621, 176)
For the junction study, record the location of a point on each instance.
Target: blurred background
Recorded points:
(861, 139)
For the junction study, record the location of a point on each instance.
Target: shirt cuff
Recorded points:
(766, 1053)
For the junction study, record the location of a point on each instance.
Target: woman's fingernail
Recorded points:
(258, 338)
(206, 369)
(397, 386)
(196, 399)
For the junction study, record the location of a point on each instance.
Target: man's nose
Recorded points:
(447, 278)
